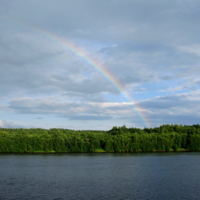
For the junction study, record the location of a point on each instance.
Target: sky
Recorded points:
(95, 64)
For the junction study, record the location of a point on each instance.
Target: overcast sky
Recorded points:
(150, 47)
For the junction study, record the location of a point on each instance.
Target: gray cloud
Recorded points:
(173, 109)
(150, 48)
(113, 20)
(90, 117)
(39, 118)
(55, 106)
(168, 108)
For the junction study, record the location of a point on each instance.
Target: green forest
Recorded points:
(118, 139)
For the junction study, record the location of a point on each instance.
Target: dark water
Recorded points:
(101, 176)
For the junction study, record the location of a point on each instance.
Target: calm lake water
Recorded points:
(100, 176)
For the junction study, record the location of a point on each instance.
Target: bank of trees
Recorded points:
(118, 139)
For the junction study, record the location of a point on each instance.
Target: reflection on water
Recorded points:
(100, 176)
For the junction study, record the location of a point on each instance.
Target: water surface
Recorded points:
(100, 176)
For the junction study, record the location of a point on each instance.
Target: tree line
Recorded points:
(118, 139)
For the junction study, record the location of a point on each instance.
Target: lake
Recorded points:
(146, 176)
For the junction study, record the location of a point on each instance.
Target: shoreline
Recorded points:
(51, 152)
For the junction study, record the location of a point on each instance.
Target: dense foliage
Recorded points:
(118, 139)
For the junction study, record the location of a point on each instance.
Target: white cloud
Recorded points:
(191, 49)
(5, 124)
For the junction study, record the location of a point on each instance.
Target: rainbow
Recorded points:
(85, 57)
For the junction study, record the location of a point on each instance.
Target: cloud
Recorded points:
(111, 21)
(168, 108)
(150, 48)
(39, 118)
(5, 124)
(49, 105)
(89, 117)
(147, 46)
(174, 109)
